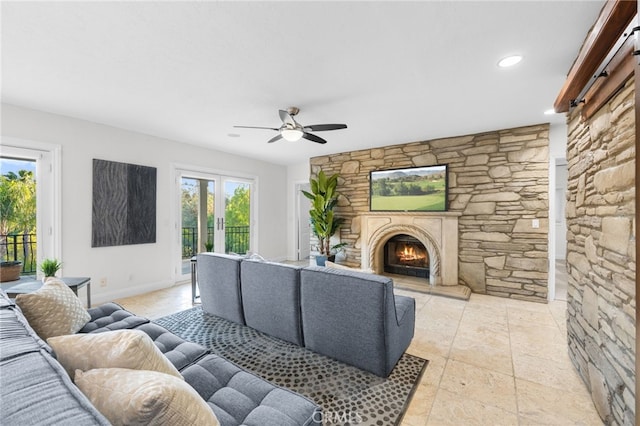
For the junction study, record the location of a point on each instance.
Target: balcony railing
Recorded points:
(236, 240)
(21, 247)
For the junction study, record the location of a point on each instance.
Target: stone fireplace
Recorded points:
(430, 240)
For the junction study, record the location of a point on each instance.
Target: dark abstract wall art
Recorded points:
(124, 204)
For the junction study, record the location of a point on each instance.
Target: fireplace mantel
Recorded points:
(438, 231)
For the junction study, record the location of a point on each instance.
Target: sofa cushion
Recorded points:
(180, 352)
(16, 336)
(271, 299)
(132, 349)
(218, 277)
(35, 390)
(53, 310)
(241, 398)
(111, 316)
(137, 397)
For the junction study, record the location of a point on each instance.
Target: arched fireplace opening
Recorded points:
(406, 255)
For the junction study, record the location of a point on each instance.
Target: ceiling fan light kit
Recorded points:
(293, 131)
(292, 135)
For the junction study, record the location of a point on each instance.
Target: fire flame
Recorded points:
(408, 253)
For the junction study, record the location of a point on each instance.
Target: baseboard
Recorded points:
(111, 295)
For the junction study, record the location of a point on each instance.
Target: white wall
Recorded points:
(296, 173)
(138, 268)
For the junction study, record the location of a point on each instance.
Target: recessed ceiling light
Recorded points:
(233, 135)
(550, 111)
(509, 61)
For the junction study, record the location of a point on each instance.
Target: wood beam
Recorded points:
(618, 71)
(614, 18)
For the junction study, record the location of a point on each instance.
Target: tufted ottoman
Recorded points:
(111, 316)
(238, 397)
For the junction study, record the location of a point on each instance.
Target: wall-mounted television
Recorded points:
(409, 189)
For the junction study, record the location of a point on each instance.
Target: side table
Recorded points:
(194, 280)
(24, 286)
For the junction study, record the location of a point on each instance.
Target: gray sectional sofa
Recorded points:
(37, 390)
(351, 316)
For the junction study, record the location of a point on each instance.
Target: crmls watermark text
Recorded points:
(337, 417)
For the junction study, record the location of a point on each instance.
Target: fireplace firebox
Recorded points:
(406, 255)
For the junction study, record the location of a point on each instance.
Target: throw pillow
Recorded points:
(132, 349)
(53, 310)
(138, 397)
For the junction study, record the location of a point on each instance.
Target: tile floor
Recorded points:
(493, 361)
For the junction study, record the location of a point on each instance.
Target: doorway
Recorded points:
(215, 214)
(303, 225)
(30, 217)
(561, 278)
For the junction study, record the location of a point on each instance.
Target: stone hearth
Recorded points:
(437, 231)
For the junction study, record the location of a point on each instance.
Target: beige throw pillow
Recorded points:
(132, 349)
(53, 310)
(137, 397)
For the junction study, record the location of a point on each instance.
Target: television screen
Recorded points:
(411, 189)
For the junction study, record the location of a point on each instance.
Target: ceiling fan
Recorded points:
(293, 131)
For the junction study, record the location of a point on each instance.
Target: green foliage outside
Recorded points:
(237, 214)
(17, 203)
(18, 217)
(190, 204)
(238, 207)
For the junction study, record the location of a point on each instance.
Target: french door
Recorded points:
(215, 215)
(31, 224)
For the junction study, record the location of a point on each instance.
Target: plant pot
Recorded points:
(10, 271)
(322, 259)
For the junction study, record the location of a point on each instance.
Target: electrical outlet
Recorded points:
(535, 223)
(103, 282)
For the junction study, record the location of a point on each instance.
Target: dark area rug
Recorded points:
(348, 395)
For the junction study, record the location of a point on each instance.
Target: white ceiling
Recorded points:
(394, 72)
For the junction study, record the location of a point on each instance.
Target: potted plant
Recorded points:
(324, 223)
(49, 267)
(10, 271)
(208, 246)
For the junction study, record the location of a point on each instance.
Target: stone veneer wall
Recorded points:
(601, 257)
(497, 180)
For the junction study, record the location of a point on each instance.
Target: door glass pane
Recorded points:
(198, 220)
(190, 201)
(237, 196)
(18, 213)
(211, 216)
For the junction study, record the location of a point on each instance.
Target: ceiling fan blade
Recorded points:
(275, 138)
(286, 117)
(323, 127)
(256, 127)
(313, 138)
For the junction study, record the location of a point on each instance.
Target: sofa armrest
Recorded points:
(405, 306)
